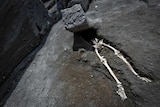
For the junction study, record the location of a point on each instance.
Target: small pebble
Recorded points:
(92, 76)
(65, 49)
(48, 23)
(96, 7)
(3, 77)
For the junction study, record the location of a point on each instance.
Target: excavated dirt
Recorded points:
(86, 83)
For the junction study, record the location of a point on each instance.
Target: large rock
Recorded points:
(84, 3)
(55, 14)
(24, 23)
(54, 9)
(74, 18)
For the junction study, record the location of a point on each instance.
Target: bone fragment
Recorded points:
(121, 91)
(119, 55)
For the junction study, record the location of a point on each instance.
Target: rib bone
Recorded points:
(119, 55)
(120, 91)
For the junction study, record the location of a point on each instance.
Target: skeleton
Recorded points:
(98, 44)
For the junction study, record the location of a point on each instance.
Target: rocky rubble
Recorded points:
(55, 6)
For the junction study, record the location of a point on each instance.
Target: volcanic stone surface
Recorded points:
(24, 24)
(61, 77)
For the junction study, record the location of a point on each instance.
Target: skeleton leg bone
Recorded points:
(120, 91)
(119, 55)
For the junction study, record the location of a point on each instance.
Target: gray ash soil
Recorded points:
(60, 77)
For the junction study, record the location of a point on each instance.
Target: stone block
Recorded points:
(74, 18)
(84, 3)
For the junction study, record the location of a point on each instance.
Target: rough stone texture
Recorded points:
(74, 18)
(55, 14)
(64, 3)
(84, 3)
(24, 23)
(44, 1)
(54, 7)
(63, 78)
(48, 4)
(153, 3)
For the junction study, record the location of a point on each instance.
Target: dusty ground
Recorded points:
(60, 77)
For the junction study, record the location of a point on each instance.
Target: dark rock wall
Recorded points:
(23, 25)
